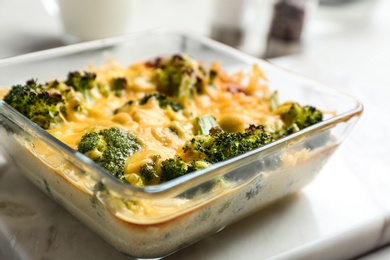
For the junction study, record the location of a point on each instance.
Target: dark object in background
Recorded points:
(286, 28)
(287, 22)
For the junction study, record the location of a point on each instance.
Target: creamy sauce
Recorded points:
(236, 100)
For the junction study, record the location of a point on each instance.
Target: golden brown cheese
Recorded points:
(236, 100)
(233, 104)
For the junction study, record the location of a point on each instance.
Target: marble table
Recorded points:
(335, 217)
(343, 214)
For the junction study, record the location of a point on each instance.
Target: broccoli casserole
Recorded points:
(155, 153)
(156, 120)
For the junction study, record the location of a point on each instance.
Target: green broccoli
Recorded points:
(180, 77)
(173, 168)
(86, 83)
(150, 171)
(47, 104)
(213, 74)
(158, 171)
(45, 107)
(162, 100)
(296, 118)
(83, 83)
(198, 165)
(110, 148)
(73, 99)
(118, 85)
(220, 145)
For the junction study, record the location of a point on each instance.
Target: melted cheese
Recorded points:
(234, 103)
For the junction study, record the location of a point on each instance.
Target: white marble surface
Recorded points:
(343, 214)
(325, 215)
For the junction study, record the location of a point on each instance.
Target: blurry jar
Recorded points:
(261, 27)
(287, 21)
(287, 28)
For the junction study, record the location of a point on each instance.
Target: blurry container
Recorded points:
(288, 28)
(288, 19)
(109, 18)
(80, 22)
(263, 28)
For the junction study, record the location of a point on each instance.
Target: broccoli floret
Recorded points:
(59, 87)
(180, 76)
(302, 117)
(86, 83)
(220, 145)
(150, 172)
(44, 107)
(49, 104)
(110, 148)
(198, 165)
(158, 171)
(296, 117)
(92, 144)
(118, 85)
(212, 76)
(173, 168)
(73, 99)
(163, 101)
(82, 82)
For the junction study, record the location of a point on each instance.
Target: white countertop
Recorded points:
(343, 214)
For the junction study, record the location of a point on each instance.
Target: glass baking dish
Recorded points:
(155, 221)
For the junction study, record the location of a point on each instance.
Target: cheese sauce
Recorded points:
(235, 100)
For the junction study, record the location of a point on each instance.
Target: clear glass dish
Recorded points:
(155, 221)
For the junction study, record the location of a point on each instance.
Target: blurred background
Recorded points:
(265, 28)
(342, 43)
